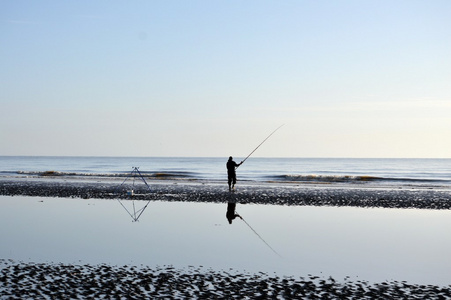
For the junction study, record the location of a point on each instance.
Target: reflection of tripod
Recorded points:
(136, 213)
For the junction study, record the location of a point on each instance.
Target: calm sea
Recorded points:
(396, 171)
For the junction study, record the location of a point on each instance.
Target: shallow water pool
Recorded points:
(362, 244)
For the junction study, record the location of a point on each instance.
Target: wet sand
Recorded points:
(58, 281)
(255, 193)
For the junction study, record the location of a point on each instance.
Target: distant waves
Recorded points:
(288, 178)
(353, 178)
(150, 175)
(394, 172)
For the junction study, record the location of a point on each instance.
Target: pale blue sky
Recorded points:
(214, 78)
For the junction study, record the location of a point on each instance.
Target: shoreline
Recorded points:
(266, 193)
(33, 280)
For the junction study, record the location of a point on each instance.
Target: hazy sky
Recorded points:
(214, 78)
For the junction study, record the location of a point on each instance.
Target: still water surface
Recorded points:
(364, 244)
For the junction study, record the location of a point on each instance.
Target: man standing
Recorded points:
(231, 166)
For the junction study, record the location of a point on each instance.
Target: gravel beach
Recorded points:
(58, 281)
(255, 193)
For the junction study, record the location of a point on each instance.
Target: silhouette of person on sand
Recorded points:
(231, 214)
(231, 166)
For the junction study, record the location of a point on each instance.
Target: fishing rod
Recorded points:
(261, 144)
(259, 236)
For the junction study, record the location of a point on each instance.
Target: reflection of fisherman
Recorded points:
(231, 215)
(231, 166)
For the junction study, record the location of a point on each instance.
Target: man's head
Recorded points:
(230, 158)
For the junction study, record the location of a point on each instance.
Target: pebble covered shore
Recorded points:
(20, 280)
(355, 196)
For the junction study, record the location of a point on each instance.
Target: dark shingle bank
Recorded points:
(256, 194)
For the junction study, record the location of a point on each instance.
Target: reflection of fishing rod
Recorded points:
(259, 236)
(261, 144)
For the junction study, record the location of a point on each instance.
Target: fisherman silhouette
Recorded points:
(231, 166)
(231, 214)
